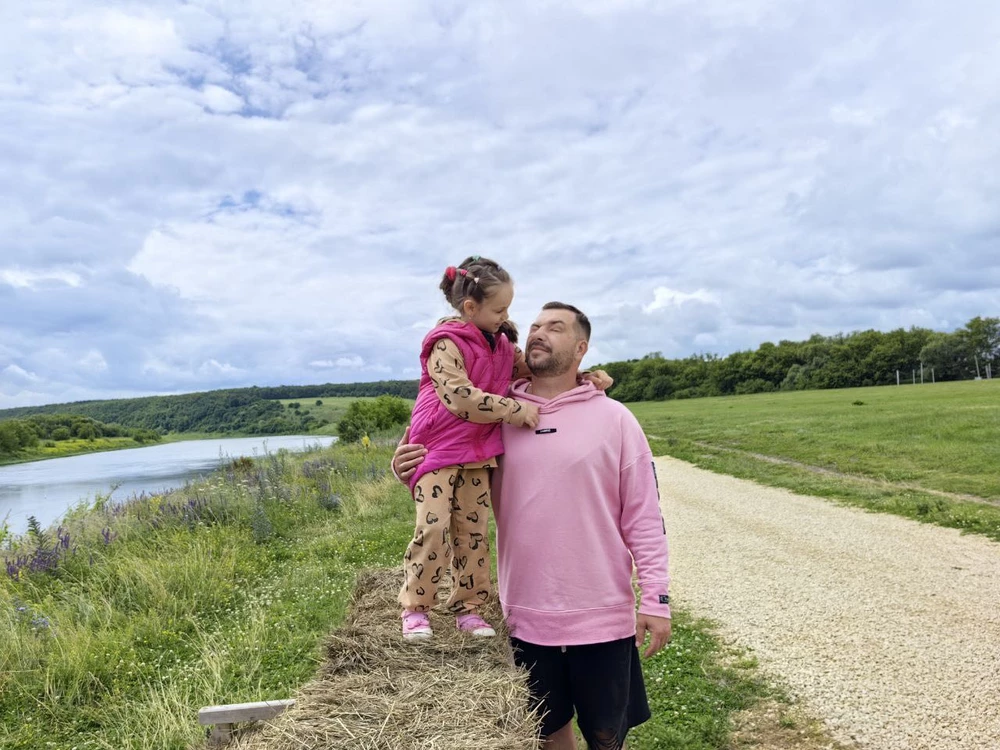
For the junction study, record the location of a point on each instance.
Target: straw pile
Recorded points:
(374, 690)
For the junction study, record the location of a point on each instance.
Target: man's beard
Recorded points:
(552, 365)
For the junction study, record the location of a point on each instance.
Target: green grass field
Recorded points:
(891, 448)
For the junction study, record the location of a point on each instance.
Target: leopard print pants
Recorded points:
(453, 506)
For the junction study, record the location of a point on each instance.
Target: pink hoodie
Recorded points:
(576, 503)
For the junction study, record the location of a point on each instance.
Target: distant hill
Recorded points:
(246, 411)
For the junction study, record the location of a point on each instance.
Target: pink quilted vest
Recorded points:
(449, 439)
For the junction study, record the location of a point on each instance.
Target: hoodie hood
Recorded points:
(583, 392)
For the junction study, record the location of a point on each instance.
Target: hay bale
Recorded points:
(376, 691)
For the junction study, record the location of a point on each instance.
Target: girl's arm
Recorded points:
(446, 368)
(601, 380)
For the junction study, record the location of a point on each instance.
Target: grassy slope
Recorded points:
(332, 410)
(891, 446)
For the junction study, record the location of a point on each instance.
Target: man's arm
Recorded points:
(645, 536)
(407, 458)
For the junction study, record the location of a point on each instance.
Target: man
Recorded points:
(575, 504)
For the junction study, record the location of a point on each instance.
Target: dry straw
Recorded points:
(374, 690)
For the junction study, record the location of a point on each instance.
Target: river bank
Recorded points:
(69, 448)
(47, 490)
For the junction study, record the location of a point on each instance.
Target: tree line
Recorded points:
(401, 388)
(862, 358)
(18, 435)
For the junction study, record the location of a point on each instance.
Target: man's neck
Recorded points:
(550, 386)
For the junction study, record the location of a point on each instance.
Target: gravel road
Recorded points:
(888, 629)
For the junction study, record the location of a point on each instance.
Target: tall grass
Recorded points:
(218, 593)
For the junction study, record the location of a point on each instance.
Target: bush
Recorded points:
(755, 385)
(365, 417)
(9, 440)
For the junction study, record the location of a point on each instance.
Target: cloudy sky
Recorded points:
(206, 194)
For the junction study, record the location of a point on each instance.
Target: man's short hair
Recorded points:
(582, 322)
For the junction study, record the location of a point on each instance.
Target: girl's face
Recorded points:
(489, 314)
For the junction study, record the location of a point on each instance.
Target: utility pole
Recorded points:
(897, 377)
(976, 356)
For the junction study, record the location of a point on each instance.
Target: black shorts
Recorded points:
(601, 683)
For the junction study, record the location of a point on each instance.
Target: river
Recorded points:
(47, 489)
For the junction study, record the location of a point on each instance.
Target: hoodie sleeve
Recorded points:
(452, 385)
(643, 528)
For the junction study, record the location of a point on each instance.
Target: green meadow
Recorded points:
(929, 452)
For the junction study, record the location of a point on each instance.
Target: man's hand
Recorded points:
(658, 629)
(407, 457)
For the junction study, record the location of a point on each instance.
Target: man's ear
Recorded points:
(582, 346)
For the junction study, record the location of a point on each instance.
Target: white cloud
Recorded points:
(211, 195)
(94, 361)
(14, 373)
(27, 279)
(666, 297)
(218, 99)
(354, 362)
(213, 368)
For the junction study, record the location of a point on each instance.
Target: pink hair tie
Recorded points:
(450, 273)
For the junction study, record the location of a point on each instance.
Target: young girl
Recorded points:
(467, 364)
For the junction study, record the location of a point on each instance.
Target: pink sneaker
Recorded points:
(416, 626)
(473, 623)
